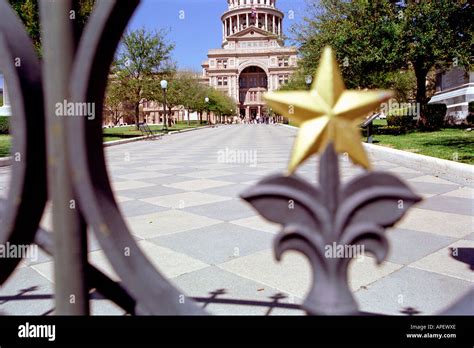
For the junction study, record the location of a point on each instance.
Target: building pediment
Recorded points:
(251, 32)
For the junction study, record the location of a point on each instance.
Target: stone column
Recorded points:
(247, 18)
(238, 22)
(266, 21)
(273, 28)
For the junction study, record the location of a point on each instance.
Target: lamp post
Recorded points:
(207, 110)
(309, 80)
(164, 87)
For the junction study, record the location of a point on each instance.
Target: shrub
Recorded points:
(391, 130)
(434, 115)
(385, 130)
(404, 121)
(4, 124)
(470, 115)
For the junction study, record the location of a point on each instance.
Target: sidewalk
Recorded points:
(181, 202)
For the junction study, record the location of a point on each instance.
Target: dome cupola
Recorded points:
(243, 14)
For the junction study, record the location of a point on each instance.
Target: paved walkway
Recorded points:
(181, 201)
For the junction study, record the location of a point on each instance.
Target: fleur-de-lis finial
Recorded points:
(330, 216)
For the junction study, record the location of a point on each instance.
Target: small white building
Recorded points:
(455, 88)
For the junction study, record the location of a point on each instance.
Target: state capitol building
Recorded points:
(253, 58)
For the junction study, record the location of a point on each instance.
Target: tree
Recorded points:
(378, 41)
(190, 90)
(362, 33)
(436, 33)
(28, 12)
(220, 103)
(116, 104)
(144, 58)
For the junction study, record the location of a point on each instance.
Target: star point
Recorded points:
(328, 113)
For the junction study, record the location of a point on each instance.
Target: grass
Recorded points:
(452, 144)
(5, 144)
(110, 134)
(131, 131)
(449, 143)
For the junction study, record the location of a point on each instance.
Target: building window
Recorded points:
(283, 61)
(222, 64)
(222, 81)
(282, 79)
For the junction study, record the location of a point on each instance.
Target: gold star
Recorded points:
(327, 113)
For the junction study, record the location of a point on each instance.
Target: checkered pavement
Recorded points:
(180, 200)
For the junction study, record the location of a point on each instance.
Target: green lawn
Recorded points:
(448, 143)
(110, 134)
(4, 145)
(131, 131)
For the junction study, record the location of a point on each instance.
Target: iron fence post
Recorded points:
(70, 251)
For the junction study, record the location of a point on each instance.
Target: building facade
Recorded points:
(253, 58)
(455, 88)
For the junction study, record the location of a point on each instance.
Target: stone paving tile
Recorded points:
(239, 178)
(217, 243)
(156, 167)
(26, 292)
(233, 190)
(149, 192)
(185, 200)
(142, 175)
(448, 204)
(445, 224)
(165, 180)
(134, 208)
(431, 179)
(407, 246)
(128, 185)
(212, 282)
(463, 192)
(258, 223)
(206, 174)
(470, 236)
(225, 211)
(431, 188)
(198, 185)
(426, 292)
(292, 275)
(455, 260)
(166, 222)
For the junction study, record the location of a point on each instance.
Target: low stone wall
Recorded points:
(460, 173)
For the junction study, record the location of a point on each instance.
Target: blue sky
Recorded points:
(200, 29)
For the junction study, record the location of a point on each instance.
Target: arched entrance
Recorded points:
(253, 83)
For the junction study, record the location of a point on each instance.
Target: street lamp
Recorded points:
(207, 109)
(309, 80)
(164, 87)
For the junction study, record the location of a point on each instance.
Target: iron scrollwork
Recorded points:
(315, 218)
